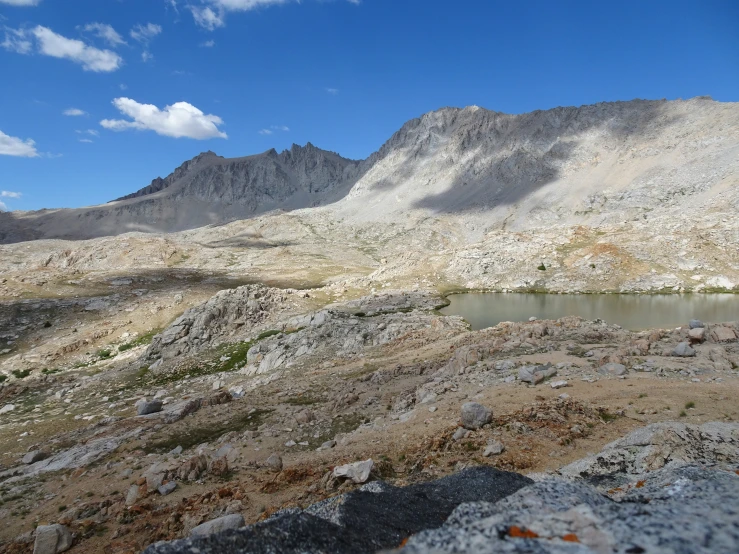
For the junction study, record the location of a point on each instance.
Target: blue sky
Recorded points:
(242, 76)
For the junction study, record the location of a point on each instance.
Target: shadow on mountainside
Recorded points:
(552, 138)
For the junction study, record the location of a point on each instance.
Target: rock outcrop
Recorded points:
(691, 508)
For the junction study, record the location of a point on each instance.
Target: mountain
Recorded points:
(572, 165)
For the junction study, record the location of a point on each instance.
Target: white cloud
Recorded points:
(280, 127)
(178, 120)
(74, 112)
(51, 44)
(212, 15)
(105, 32)
(123, 86)
(92, 132)
(208, 44)
(146, 56)
(207, 17)
(333, 91)
(8, 194)
(84, 140)
(265, 132)
(16, 40)
(144, 33)
(14, 146)
(21, 2)
(3, 207)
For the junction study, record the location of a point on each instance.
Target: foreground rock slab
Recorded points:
(52, 539)
(374, 517)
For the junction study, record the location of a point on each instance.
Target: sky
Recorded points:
(98, 97)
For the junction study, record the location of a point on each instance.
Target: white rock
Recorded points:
(233, 521)
(7, 408)
(52, 539)
(357, 472)
(559, 384)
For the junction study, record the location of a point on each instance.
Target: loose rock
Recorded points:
(475, 415)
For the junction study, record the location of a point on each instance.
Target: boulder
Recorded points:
(52, 539)
(218, 525)
(34, 456)
(697, 335)
(613, 369)
(475, 415)
(683, 350)
(146, 407)
(696, 324)
(358, 472)
(722, 333)
(274, 463)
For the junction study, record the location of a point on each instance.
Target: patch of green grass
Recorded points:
(302, 400)
(268, 334)
(643, 395)
(193, 436)
(542, 267)
(689, 405)
(141, 340)
(105, 354)
(20, 373)
(3, 378)
(607, 417)
(683, 413)
(61, 508)
(47, 371)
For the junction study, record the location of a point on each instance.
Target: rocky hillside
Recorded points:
(591, 165)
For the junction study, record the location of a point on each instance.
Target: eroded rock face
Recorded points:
(229, 311)
(52, 539)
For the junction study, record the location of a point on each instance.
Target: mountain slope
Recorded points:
(206, 190)
(589, 165)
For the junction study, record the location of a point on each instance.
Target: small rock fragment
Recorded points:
(164, 490)
(559, 384)
(696, 324)
(493, 449)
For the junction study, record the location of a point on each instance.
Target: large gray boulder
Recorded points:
(52, 539)
(475, 415)
(146, 407)
(683, 350)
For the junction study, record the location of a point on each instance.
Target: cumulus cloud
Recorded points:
(74, 112)
(14, 146)
(208, 44)
(21, 2)
(333, 91)
(178, 120)
(49, 43)
(8, 194)
(265, 132)
(105, 32)
(92, 132)
(85, 140)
